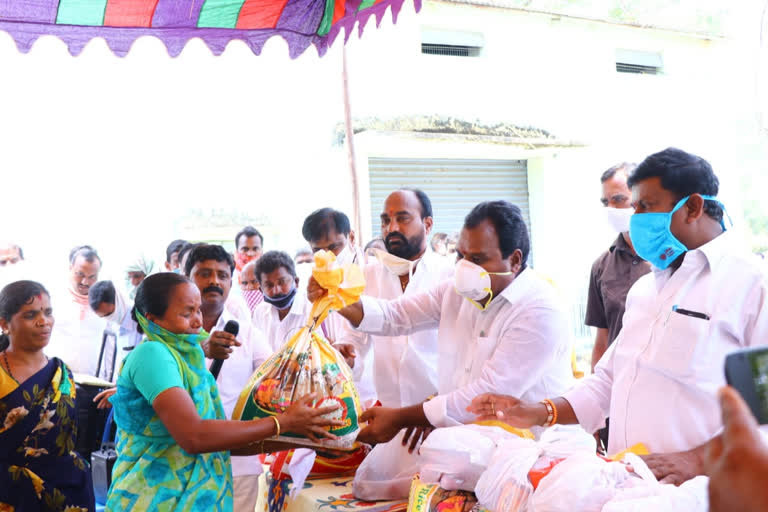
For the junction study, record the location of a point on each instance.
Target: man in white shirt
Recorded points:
(210, 267)
(500, 326)
(285, 310)
(12, 265)
(706, 297)
(249, 287)
(405, 367)
(249, 246)
(78, 331)
(330, 230)
(108, 303)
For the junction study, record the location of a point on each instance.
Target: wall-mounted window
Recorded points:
(639, 63)
(451, 43)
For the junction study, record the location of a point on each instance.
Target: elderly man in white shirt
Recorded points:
(210, 267)
(405, 367)
(78, 331)
(705, 298)
(500, 326)
(285, 309)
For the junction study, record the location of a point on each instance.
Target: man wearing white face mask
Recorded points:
(617, 269)
(499, 325)
(328, 229)
(405, 367)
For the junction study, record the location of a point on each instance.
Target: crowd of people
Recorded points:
(449, 331)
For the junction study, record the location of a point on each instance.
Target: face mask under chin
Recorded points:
(282, 301)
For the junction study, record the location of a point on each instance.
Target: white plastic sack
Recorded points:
(504, 486)
(689, 497)
(562, 441)
(456, 457)
(582, 482)
(387, 472)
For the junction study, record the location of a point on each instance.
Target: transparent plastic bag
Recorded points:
(307, 363)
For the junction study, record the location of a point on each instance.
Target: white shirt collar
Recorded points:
(224, 317)
(711, 253)
(297, 308)
(518, 288)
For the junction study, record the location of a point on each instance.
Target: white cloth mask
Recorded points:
(395, 264)
(618, 218)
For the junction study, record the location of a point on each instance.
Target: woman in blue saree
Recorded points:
(39, 469)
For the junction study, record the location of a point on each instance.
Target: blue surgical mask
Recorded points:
(282, 301)
(652, 238)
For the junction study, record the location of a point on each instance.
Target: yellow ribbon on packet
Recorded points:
(637, 449)
(519, 432)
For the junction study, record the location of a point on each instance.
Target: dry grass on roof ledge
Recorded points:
(443, 125)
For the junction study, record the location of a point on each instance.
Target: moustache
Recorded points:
(213, 289)
(396, 236)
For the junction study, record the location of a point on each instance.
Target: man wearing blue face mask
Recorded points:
(499, 327)
(284, 310)
(707, 296)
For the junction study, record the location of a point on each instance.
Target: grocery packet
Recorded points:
(307, 363)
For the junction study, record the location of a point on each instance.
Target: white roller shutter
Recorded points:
(453, 186)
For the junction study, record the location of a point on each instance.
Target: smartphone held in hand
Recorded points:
(747, 371)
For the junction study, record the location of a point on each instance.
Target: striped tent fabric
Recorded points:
(217, 22)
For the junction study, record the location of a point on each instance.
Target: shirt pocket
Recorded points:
(683, 340)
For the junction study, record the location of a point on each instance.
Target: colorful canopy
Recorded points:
(217, 22)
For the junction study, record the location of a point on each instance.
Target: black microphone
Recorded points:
(232, 327)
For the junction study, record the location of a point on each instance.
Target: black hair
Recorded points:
(426, 204)
(273, 260)
(319, 224)
(682, 174)
(153, 294)
(13, 297)
(204, 252)
(103, 291)
(508, 221)
(173, 247)
(248, 231)
(186, 248)
(86, 251)
(625, 167)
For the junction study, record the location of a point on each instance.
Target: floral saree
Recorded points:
(39, 469)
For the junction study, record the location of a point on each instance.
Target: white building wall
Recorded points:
(113, 151)
(558, 74)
